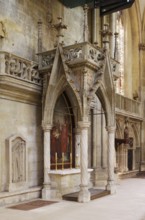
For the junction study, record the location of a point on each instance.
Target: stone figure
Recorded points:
(18, 161)
(126, 132)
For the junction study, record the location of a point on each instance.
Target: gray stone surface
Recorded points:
(127, 204)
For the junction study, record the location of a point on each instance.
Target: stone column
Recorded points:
(117, 158)
(47, 184)
(121, 158)
(95, 134)
(126, 157)
(134, 159)
(121, 154)
(94, 26)
(97, 139)
(98, 23)
(39, 42)
(111, 155)
(86, 29)
(113, 27)
(103, 142)
(77, 148)
(84, 194)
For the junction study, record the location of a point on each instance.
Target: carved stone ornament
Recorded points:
(17, 163)
(18, 67)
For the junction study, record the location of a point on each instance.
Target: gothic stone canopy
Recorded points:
(86, 70)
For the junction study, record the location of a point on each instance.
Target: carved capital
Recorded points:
(46, 127)
(83, 124)
(111, 129)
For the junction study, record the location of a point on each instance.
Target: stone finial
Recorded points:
(106, 33)
(116, 51)
(59, 27)
(86, 29)
(39, 36)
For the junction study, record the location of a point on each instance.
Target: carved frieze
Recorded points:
(47, 60)
(19, 68)
(83, 52)
(115, 69)
(73, 53)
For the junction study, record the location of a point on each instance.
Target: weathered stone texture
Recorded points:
(25, 119)
(20, 19)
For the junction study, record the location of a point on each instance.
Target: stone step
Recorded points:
(128, 174)
(95, 194)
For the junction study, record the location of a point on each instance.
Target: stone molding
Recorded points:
(46, 127)
(111, 129)
(19, 79)
(84, 124)
(18, 90)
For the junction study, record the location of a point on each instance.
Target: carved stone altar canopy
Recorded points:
(82, 71)
(17, 163)
(83, 68)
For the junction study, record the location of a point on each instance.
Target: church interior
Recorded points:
(72, 97)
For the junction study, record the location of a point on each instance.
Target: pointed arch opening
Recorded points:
(62, 134)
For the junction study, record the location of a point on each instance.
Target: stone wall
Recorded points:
(23, 119)
(20, 19)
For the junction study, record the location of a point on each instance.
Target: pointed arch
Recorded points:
(136, 134)
(53, 92)
(106, 92)
(109, 114)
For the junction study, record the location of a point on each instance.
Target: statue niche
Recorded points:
(61, 135)
(17, 160)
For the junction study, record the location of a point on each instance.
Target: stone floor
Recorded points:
(127, 204)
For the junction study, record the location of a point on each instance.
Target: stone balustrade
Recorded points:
(20, 68)
(83, 52)
(46, 60)
(128, 105)
(77, 54)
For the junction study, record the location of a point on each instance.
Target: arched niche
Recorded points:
(62, 134)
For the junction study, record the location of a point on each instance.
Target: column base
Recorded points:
(111, 187)
(84, 194)
(46, 192)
